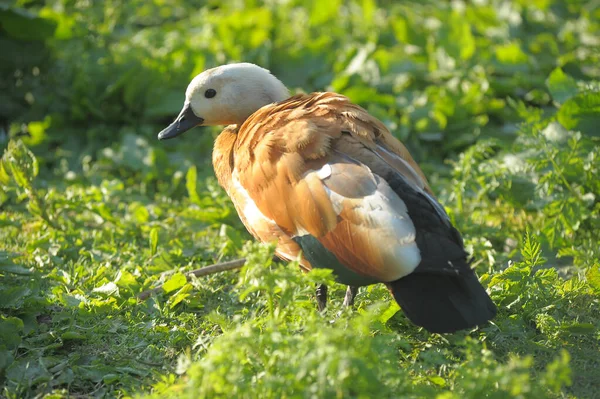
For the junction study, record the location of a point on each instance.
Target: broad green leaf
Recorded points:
(110, 378)
(153, 240)
(15, 269)
(66, 24)
(582, 113)
(561, 86)
(6, 357)
(579, 328)
(109, 289)
(322, 11)
(72, 336)
(23, 25)
(70, 300)
(133, 371)
(7, 265)
(37, 132)
(369, 7)
(26, 371)
(4, 174)
(14, 297)
(176, 281)
(437, 380)
(593, 276)
(511, 54)
(10, 331)
(457, 38)
(180, 295)
(389, 312)
(127, 280)
(140, 212)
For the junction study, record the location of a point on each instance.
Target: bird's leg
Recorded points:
(321, 297)
(351, 292)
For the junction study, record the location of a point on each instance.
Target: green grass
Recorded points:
(498, 101)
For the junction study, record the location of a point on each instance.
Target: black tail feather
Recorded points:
(443, 303)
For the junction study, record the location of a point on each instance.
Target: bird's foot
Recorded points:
(321, 297)
(351, 292)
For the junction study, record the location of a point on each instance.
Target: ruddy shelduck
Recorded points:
(333, 187)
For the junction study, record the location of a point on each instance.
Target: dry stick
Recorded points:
(205, 271)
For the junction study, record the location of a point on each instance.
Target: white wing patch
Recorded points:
(382, 215)
(324, 172)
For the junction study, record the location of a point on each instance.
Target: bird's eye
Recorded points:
(210, 93)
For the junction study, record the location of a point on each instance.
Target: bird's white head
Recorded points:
(226, 95)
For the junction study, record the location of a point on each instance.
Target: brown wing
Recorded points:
(314, 165)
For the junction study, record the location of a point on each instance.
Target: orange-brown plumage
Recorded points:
(263, 230)
(280, 144)
(333, 187)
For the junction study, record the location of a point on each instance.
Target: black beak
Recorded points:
(184, 122)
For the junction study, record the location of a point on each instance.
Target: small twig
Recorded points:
(205, 271)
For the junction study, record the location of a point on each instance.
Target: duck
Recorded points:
(331, 186)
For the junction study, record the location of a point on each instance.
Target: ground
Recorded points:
(498, 101)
